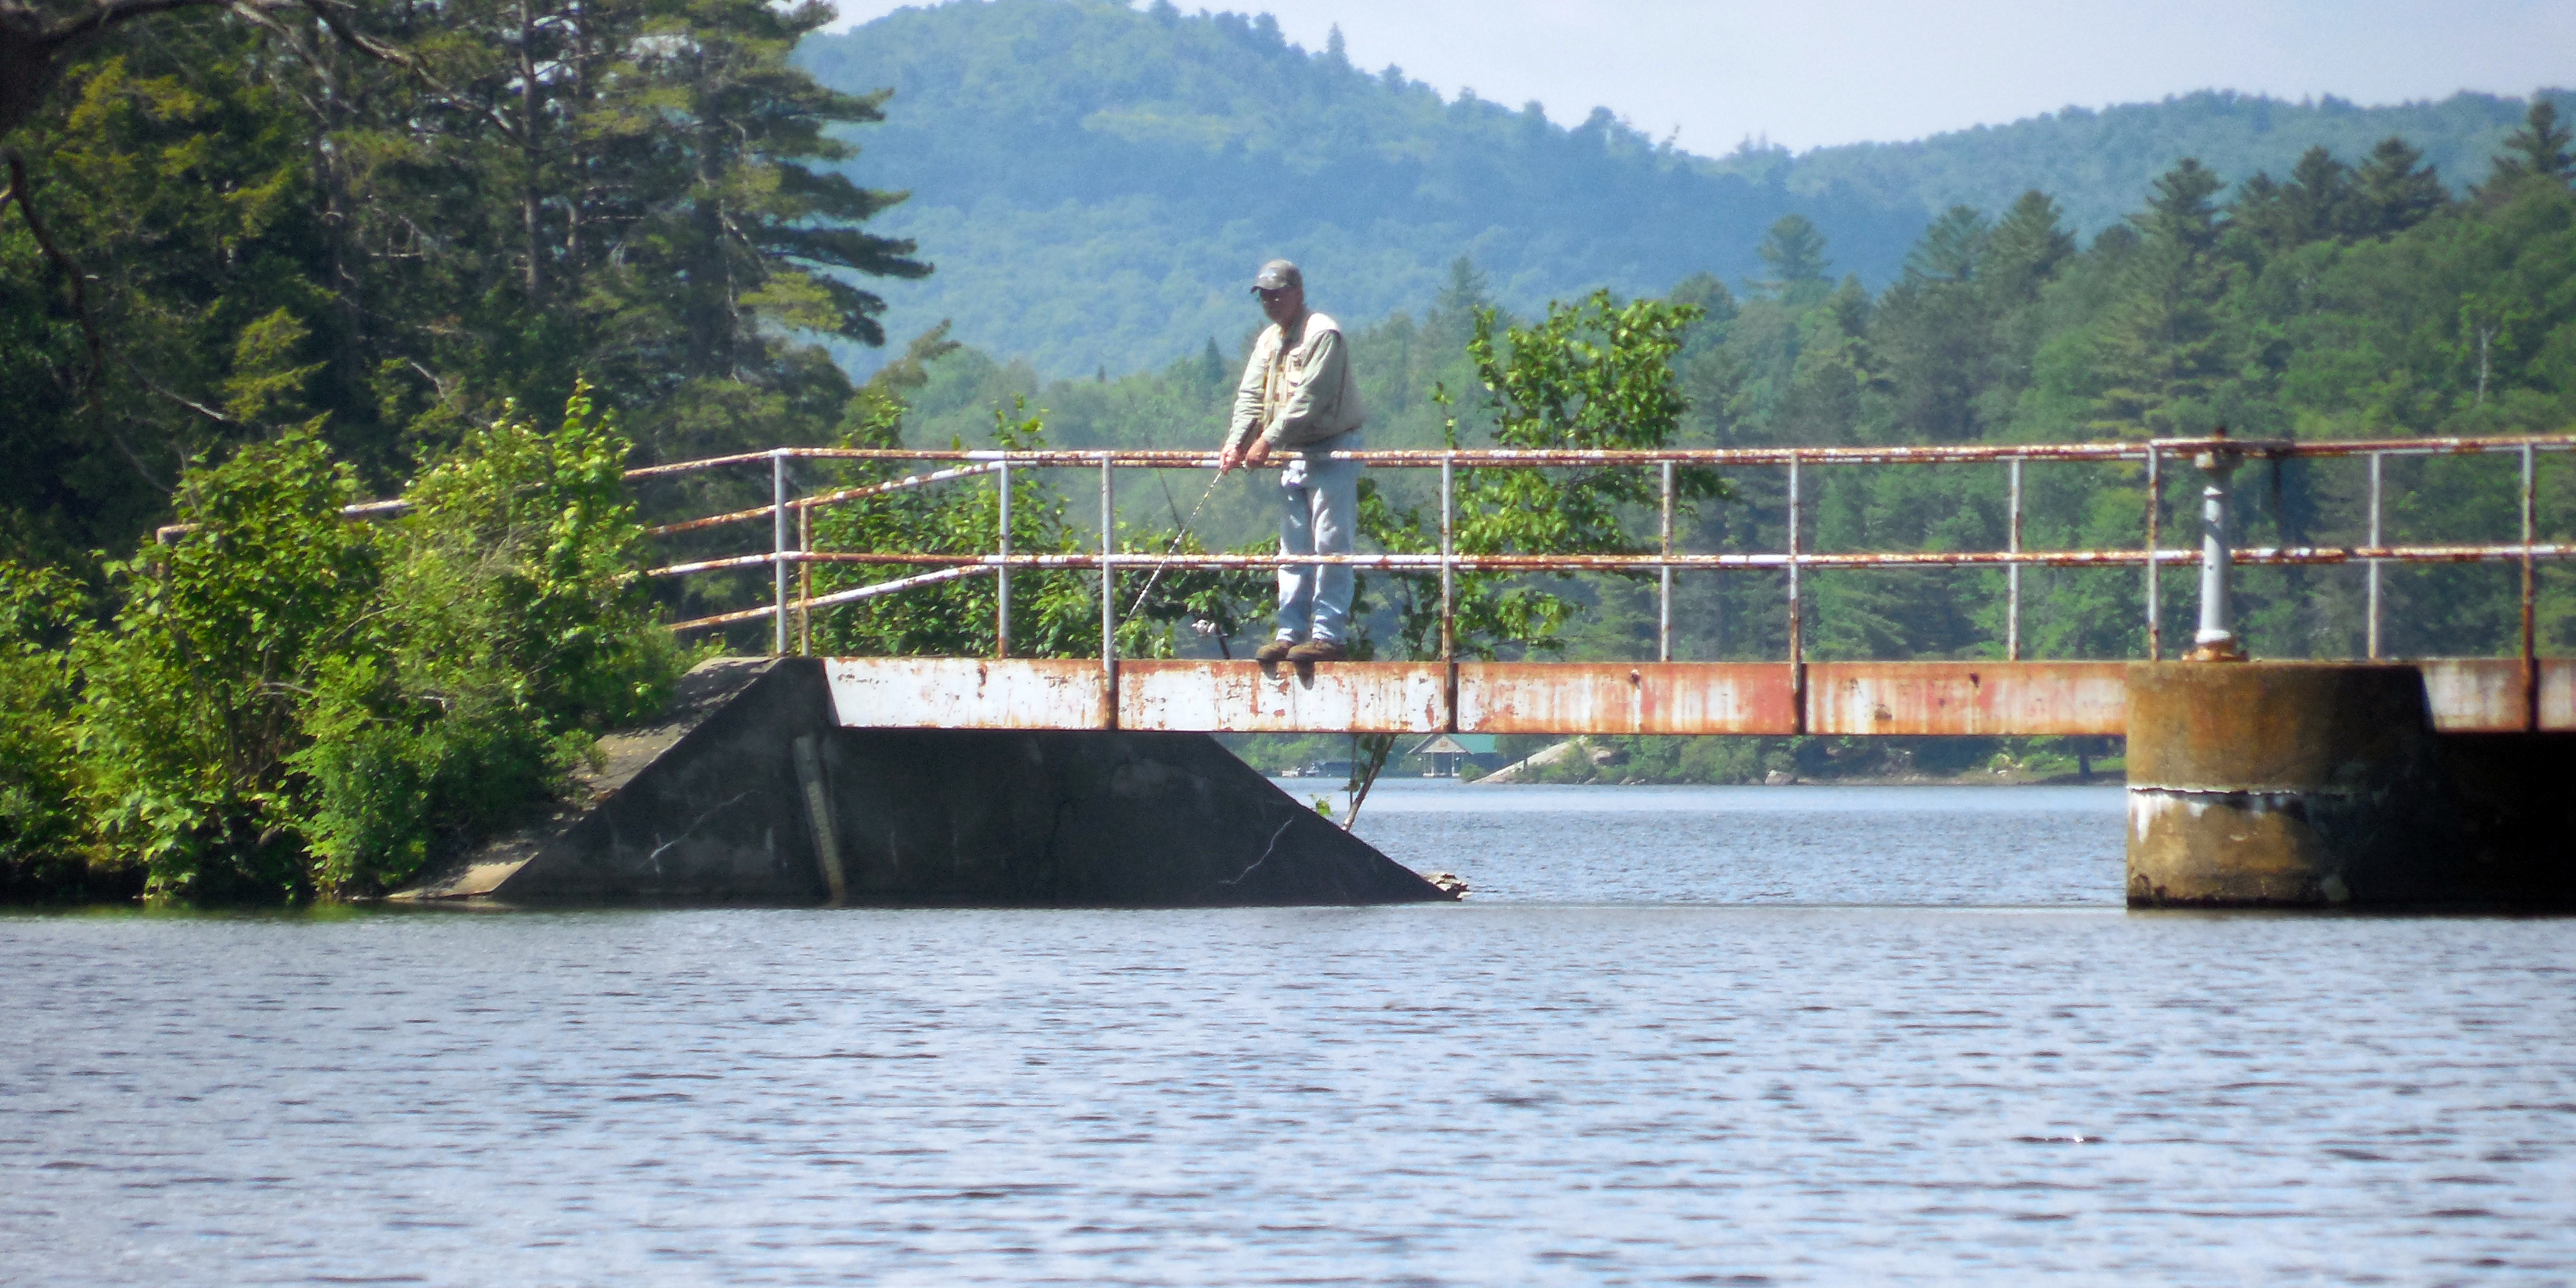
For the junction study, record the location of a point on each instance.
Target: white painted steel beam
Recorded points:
(968, 693)
(2468, 695)
(1239, 697)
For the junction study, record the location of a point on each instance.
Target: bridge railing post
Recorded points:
(1797, 647)
(1108, 587)
(1002, 573)
(2530, 637)
(778, 550)
(2372, 632)
(1664, 590)
(2012, 571)
(2155, 515)
(804, 580)
(1448, 558)
(2216, 640)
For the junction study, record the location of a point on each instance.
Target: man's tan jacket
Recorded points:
(1298, 390)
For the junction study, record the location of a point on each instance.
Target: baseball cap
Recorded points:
(1278, 275)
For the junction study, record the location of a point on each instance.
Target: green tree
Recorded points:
(1794, 252)
(192, 697)
(1952, 247)
(2537, 151)
(456, 204)
(42, 826)
(2393, 191)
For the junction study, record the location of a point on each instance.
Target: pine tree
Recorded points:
(2539, 150)
(2179, 210)
(2026, 247)
(1794, 251)
(2317, 197)
(2160, 351)
(1952, 248)
(2393, 191)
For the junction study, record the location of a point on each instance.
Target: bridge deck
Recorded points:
(2469, 695)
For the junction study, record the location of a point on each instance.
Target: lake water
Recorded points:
(1728, 1035)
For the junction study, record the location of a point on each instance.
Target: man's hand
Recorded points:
(1227, 458)
(1258, 452)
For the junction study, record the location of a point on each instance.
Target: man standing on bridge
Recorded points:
(1300, 396)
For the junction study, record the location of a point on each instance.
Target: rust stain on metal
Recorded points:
(1241, 697)
(1967, 697)
(2477, 694)
(2467, 695)
(967, 693)
(1624, 697)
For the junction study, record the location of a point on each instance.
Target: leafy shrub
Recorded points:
(512, 629)
(41, 824)
(194, 697)
(290, 703)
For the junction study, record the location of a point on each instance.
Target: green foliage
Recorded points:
(1596, 375)
(267, 227)
(519, 562)
(193, 698)
(510, 630)
(290, 703)
(42, 829)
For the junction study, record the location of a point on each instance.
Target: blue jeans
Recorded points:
(1319, 513)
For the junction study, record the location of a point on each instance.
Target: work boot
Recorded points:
(1274, 652)
(1318, 651)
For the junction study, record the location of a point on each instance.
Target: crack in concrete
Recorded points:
(654, 856)
(1265, 853)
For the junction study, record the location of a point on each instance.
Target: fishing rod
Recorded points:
(1177, 538)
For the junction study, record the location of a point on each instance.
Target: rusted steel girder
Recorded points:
(2467, 695)
(2009, 698)
(1624, 697)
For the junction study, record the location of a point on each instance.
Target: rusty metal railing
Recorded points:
(2216, 457)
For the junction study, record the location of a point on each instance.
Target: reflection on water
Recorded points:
(1676, 1037)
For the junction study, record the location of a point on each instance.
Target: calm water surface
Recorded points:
(1677, 1036)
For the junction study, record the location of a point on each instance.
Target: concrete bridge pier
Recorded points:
(2300, 784)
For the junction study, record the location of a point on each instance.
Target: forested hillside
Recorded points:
(2095, 162)
(1100, 180)
(1097, 180)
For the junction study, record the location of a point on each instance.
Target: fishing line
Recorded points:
(1177, 537)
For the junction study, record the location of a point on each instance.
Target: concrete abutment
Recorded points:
(2296, 784)
(748, 791)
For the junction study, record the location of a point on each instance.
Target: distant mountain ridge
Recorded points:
(2097, 164)
(1095, 182)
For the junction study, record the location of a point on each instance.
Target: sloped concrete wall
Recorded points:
(750, 793)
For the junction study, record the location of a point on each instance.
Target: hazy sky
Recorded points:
(1841, 71)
